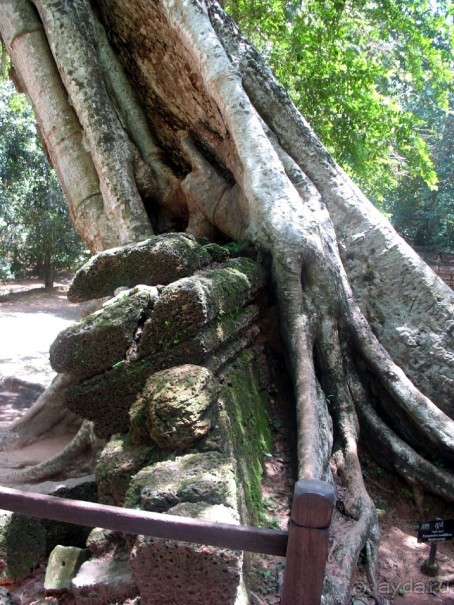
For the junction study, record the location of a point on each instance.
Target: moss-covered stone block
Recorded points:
(203, 477)
(158, 260)
(119, 460)
(101, 340)
(22, 544)
(245, 404)
(188, 305)
(198, 348)
(178, 402)
(106, 399)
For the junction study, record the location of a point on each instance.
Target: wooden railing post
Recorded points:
(307, 548)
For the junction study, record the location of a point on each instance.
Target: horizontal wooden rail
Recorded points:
(157, 525)
(305, 545)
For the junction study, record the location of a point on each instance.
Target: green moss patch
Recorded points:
(245, 405)
(203, 477)
(188, 305)
(22, 544)
(119, 460)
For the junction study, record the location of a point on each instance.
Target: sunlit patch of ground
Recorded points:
(30, 320)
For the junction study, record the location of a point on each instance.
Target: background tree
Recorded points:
(425, 216)
(160, 116)
(37, 236)
(373, 78)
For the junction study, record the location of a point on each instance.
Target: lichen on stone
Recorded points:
(207, 477)
(119, 460)
(178, 401)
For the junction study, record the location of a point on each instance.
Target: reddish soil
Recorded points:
(399, 580)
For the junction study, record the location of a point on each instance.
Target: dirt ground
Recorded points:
(399, 580)
(30, 318)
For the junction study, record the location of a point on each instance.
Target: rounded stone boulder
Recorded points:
(177, 401)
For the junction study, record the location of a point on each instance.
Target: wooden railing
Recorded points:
(305, 544)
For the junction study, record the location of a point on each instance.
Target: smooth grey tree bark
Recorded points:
(159, 116)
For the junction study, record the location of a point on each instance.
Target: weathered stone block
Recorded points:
(207, 477)
(189, 304)
(58, 532)
(138, 422)
(102, 582)
(103, 542)
(178, 401)
(22, 544)
(173, 573)
(99, 341)
(63, 564)
(158, 260)
(119, 460)
(197, 349)
(106, 399)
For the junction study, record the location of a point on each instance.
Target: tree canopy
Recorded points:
(373, 78)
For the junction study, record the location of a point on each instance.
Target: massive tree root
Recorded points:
(226, 154)
(47, 419)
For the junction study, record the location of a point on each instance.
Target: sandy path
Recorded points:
(35, 453)
(30, 319)
(29, 322)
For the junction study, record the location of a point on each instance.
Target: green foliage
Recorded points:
(36, 232)
(354, 68)
(425, 217)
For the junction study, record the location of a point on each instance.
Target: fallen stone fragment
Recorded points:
(63, 564)
(102, 582)
(7, 598)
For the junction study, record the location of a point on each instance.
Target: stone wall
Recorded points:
(171, 375)
(441, 262)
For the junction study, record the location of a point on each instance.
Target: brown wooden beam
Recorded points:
(133, 521)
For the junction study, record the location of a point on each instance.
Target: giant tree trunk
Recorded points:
(174, 122)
